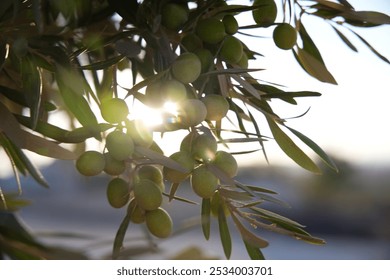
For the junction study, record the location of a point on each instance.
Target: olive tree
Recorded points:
(189, 61)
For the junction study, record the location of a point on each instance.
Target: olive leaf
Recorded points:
(291, 149)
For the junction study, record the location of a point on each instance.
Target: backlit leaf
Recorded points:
(371, 47)
(291, 149)
(345, 39)
(32, 88)
(205, 218)
(310, 143)
(253, 252)
(224, 233)
(120, 236)
(314, 67)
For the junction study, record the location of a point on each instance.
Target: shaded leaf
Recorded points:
(32, 88)
(127, 47)
(247, 86)
(371, 47)
(249, 236)
(205, 218)
(120, 236)
(101, 65)
(291, 149)
(173, 190)
(21, 161)
(370, 17)
(14, 95)
(317, 149)
(160, 159)
(314, 67)
(77, 135)
(273, 217)
(345, 39)
(4, 49)
(26, 140)
(308, 43)
(71, 87)
(224, 232)
(253, 252)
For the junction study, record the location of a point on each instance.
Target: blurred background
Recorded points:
(349, 209)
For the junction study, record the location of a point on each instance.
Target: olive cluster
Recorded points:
(200, 156)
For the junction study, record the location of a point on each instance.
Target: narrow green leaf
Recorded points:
(127, 47)
(345, 39)
(4, 49)
(249, 236)
(314, 67)
(224, 233)
(371, 47)
(253, 252)
(14, 95)
(308, 44)
(260, 139)
(32, 88)
(346, 4)
(370, 17)
(317, 149)
(291, 149)
(160, 159)
(120, 236)
(265, 214)
(247, 86)
(72, 85)
(205, 218)
(102, 64)
(173, 190)
(21, 161)
(37, 13)
(26, 140)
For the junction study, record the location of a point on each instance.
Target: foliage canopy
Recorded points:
(68, 55)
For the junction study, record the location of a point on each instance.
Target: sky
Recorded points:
(348, 121)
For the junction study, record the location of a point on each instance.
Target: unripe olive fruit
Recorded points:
(173, 16)
(191, 42)
(231, 50)
(216, 105)
(152, 173)
(191, 112)
(285, 36)
(137, 214)
(120, 145)
(266, 14)
(231, 24)
(206, 58)
(112, 166)
(159, 223)
(118, 192)
(210, 30)
(114, 110)
(147, 194)
(186, 143)
(204, 147)
(153, 96)
(186, 68)
(226, 163)
(185, 160)
(90, 163)
(243, 62)
(203, 182)
(173, 90)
